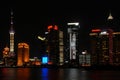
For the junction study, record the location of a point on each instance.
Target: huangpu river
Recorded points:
(57, 74)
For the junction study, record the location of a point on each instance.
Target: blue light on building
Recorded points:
(44, 60)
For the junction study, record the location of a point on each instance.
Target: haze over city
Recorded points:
(32, 18)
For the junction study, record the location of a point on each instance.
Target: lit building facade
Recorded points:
(104, 47)
(116, 50)
(101, 46)
(85, 59)
(23, 54)
(52, 44)
(104, 44)
(61, 48)
(72, 43)
(6, 56)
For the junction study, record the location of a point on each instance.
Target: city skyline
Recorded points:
(31, 21)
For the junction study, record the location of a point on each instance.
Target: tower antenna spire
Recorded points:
(110, 17)
(11, 22)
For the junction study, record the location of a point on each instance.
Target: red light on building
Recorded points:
(50, 27)
(55, 27)
(96, 30)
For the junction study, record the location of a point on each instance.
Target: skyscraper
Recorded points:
(72, 43)
(11, 32)
(53, 44)
(61, 48)
(101, 46)
(23, 54)
(116, 46)
(104, 44)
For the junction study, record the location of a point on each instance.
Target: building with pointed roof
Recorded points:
(105, 43)
(11, 32)
(110, 17)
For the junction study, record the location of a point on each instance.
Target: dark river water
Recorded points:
(57, 74)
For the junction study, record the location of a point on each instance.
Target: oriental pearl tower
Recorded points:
(11, 32)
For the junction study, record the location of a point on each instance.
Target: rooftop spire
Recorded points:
(11, 17)
(11, 22)
(110, 17)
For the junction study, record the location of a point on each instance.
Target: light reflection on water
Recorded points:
(57, 74)
(22, 73)
(44, 74)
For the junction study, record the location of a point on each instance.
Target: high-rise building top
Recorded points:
(11, 24)
(110, 17)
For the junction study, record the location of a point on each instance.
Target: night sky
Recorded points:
(32, 18)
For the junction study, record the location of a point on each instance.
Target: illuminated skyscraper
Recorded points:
(72, 43)
(61, 48)
(104, 44)
(116, 50)
(23, 54)
(11, 32)
(53, 44)
(105, 47)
